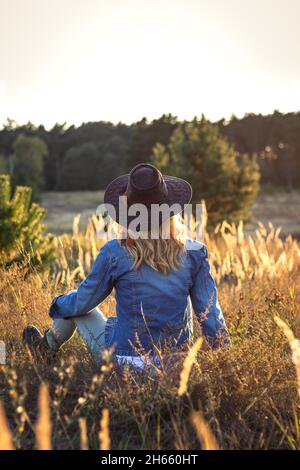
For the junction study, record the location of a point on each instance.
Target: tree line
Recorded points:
(90, 155)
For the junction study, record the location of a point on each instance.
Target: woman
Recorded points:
(156, 280)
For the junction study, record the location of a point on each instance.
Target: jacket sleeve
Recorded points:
(205, 303)
(90, 293)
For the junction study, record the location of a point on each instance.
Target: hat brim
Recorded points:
(179, 195)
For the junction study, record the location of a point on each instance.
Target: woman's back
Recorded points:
(151, 306)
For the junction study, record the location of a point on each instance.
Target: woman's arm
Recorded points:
(205, 303)
(90, 293)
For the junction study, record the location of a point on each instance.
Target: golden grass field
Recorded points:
(280, 207)
(246, 396)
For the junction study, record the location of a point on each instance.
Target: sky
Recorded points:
(120, 60)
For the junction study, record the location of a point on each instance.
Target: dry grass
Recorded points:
(187, 366)
(294, 345)
(280, 207)
(104, 437)
(242, 397)
(205, 436)
(6, 440)
(43, 427)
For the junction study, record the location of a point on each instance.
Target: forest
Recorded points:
(89, 156)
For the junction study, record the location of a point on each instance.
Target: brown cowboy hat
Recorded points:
(146, 185)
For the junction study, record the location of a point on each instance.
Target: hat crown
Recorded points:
(144, 176)
(146, 185)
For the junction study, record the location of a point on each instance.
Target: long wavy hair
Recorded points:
(162, 254)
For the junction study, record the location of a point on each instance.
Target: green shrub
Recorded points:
(22, 238)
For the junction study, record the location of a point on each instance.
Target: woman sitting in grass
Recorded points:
(157, 280)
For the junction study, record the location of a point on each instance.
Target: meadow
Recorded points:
(246, 396)
(279, 207)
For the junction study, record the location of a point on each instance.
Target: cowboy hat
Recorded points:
(145, 185)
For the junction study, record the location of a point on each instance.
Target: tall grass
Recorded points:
(234, 256)
(205, 436)
(244, 396)
(294, 345)
(6, 440)
(43, 426)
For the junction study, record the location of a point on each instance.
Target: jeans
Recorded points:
(90, 326)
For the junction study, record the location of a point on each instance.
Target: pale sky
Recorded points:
(120, 60)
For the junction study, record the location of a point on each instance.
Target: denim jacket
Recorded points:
(152, 308)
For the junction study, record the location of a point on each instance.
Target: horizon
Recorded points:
(149, 121)
(120, 61)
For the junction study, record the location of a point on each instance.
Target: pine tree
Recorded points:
(226, 181)
(22, 238)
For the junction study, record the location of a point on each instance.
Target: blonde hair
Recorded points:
(162, 254)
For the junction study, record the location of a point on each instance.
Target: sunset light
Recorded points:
(120, 60)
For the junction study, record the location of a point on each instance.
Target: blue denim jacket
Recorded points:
(152, 308)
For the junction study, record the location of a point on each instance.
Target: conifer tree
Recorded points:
(22, 238)
(226, 181)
